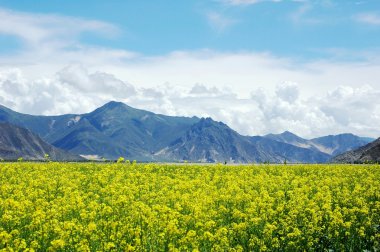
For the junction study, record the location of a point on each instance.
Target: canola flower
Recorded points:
(157, 207)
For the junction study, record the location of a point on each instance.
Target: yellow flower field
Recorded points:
(158, 207)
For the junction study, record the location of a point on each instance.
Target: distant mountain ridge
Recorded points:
(116, 129)
(210, 141)
(17, 142)
(331, 144)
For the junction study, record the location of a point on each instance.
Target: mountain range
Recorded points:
(331, 144)
(116, 129)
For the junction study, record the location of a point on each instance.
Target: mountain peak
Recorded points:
(287, 133)
(113, 104)
(284, 136)
(208, 122)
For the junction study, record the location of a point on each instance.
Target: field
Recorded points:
(157, 207)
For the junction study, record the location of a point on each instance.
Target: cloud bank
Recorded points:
(76, 90)
(255, 93)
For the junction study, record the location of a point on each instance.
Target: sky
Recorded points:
(260, 66)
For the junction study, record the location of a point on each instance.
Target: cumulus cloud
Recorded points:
(274, 112)
(71, 90)
(200, 90)
(99, 82)
(349, 105)
(288, 92)
(242, 71)
(254, 93)
(343, 109)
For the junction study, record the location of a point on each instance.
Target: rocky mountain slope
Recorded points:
(110, 131)
(211, 141)
(367, 153)
(17, 142)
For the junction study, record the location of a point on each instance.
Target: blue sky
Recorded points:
(261, 66)
(300, 28)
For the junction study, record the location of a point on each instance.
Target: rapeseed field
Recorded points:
(158, 207)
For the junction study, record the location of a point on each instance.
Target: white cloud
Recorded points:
(199, 90)
(99, 82)
(71, 90)
(241, 71)
(368, 18)
(352, 105)
(311, 98)
(42, 30)
(343, 109)
(246, 71)
(55, 41)
(288, 92)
